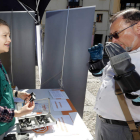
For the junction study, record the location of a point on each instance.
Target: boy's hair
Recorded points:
(2, 22)
(131, 16)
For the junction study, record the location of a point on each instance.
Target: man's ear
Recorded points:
(138, 27)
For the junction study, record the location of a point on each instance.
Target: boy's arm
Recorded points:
(6, 114)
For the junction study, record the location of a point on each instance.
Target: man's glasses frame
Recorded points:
(116, 34)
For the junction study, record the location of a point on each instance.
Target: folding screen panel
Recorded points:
(78, 34)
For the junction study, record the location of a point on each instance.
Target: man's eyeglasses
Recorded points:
(116, 34)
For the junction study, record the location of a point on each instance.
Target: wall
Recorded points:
(116, 6)
(104, 24)
(107, 8)
(102, 27)
(100, 4)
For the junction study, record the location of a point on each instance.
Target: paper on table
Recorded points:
(57, 94)
(78, 123)
(60, 105)
(64, 126)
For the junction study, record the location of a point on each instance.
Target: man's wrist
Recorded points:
(17, 113)
(16, 93)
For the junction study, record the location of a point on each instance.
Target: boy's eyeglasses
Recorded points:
(116, 34)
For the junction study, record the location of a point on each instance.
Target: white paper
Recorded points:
(64, 126)
(80, 126)
(57, 94)
(60, 105)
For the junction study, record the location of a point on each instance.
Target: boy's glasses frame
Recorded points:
(116, 34)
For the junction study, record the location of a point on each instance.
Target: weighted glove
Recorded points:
(96, 63)
(125, 75)
(96, 52)
(95, 67)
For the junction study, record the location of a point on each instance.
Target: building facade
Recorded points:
(104, 9)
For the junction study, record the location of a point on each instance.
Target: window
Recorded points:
(97, 39)
(125, 5)
(73, 0)
(138, 6)
(130, 5)
(99, 17)
(73, 3)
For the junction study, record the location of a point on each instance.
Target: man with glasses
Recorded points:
(110, 122)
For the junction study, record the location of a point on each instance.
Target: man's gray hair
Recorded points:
(131, 16)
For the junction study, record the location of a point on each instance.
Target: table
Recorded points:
(73, 128)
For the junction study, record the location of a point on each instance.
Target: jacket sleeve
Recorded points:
(6, 115)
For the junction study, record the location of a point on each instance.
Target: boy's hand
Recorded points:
(26, 109)
(23, 95)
